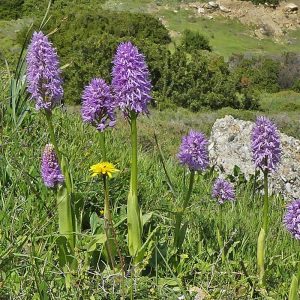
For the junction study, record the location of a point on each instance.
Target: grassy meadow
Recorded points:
(29, 268)
(31, 253)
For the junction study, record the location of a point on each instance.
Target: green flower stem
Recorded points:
(261, 243)
(108, 224)
(133, 210)
(266, 203)
(179, 216)
(103, 146)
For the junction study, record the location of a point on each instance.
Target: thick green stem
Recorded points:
(266, 203)
(134, 167)
(261, 243)
(103, 146)
(133, 210)
(179, 216)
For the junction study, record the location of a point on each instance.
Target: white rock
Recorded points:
(201, 10)
(213, 4)
(224, 9)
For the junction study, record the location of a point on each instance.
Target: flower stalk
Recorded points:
(261, 244)
(102, 145)
(133, 209)
(266, 154)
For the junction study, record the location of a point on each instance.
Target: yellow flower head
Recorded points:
(103, 168)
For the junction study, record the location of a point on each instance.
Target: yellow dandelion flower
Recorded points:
(103, 168)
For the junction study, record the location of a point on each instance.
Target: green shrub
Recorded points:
(260, 73)
(11, 9)
(199, 80)
(194, 41)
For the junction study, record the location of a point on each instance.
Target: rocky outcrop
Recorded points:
(230, 146)
(213, 5)
(291, 7)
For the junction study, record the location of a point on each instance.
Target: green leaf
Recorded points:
(61, 242)
(261, 254)
(236, 170)
(182, 234)
(294, 289)
(65, 216)
(96, 222)
(97, 240)
(146, 218)
(141, 253)
(167, 282)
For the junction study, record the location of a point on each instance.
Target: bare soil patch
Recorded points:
(268, 21)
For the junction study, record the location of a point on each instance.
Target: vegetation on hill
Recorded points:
(217, 255)
(86, 35)
(273, 2)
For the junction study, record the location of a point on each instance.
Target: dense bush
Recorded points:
(201, 80)
(289, 74)
(260, 73)
(194, 41)
(10, 9)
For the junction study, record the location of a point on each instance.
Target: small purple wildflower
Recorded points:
(44, 81)
(265, 144)
(50, 168)
(193, 151)
(98, 105)
(131, 79)
(223, 191)
(291, 218)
